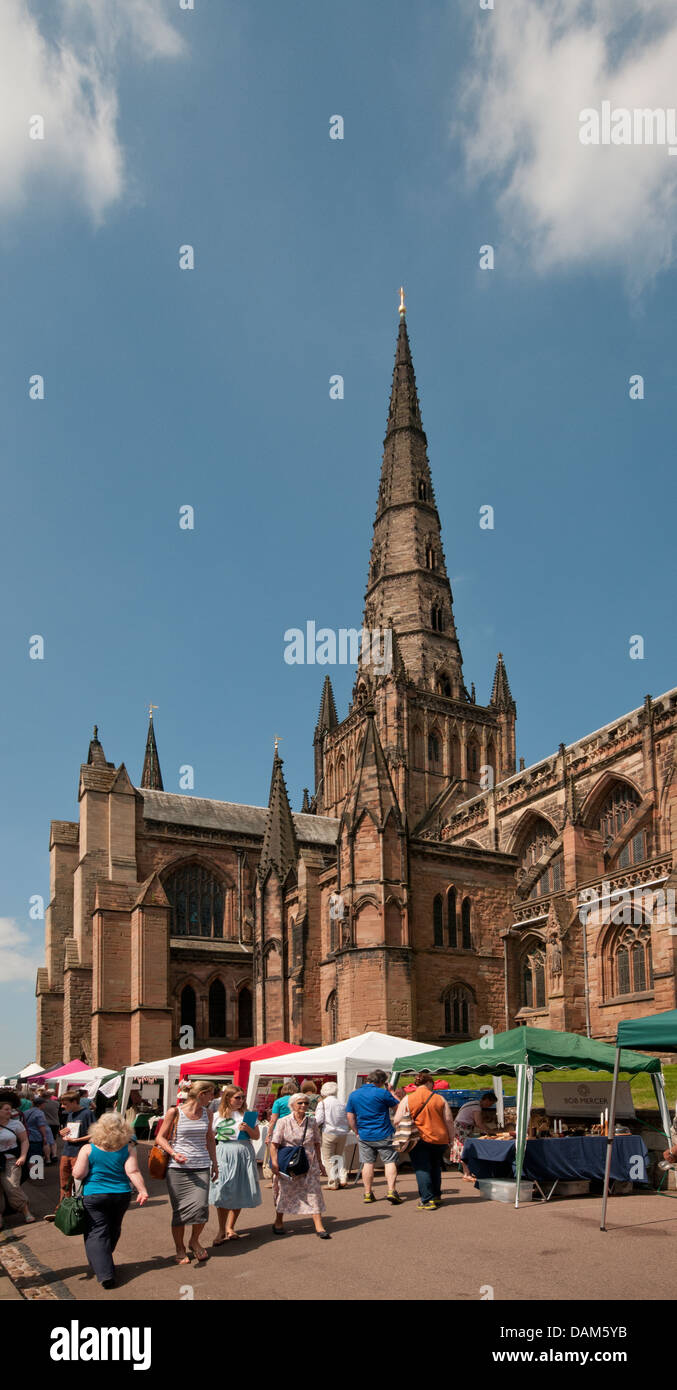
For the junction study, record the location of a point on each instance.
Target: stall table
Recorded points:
(557, 1160)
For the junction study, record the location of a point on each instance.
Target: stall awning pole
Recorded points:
(497, 1082)
(610, 1138)
(659, 1090)
(525, 1091)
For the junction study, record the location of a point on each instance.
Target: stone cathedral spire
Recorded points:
(151, 776)
(408, 579)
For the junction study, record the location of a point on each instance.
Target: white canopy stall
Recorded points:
(345, 1060)
(166, 1070)
(88, 1080)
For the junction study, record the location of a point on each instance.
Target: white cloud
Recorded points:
(535, 67)
(62, 62)
(18, 961)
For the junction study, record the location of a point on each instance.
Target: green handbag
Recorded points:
(70, 1216)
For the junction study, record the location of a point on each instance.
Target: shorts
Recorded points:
(382, 1151)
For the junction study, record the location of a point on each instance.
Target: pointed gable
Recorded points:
(372, 790)
(121, 783)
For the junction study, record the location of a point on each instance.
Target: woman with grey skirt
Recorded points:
(187, 1136)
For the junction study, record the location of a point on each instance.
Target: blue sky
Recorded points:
(211, 388)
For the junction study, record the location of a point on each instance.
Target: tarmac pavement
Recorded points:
(469, 1250)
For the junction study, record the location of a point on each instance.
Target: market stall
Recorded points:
(88, 1079)
(522, 1052)
(235, 1066)
(346, 1061)
(68, 1071)
(164, 1070)
(658, 1032)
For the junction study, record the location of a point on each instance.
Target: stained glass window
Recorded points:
(632, 962)
(197, 902)
(457, 1003)
(617, 809)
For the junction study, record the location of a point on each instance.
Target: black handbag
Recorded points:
(292, 1158)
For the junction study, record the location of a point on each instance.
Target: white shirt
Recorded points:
(6, 1140)
(331, 1114)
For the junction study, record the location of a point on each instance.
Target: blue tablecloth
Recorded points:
(568, 1159)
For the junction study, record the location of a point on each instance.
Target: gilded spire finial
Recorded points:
(151, 708)
(403, 307)
(277, 740)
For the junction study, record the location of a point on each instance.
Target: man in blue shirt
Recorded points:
(368, 1111)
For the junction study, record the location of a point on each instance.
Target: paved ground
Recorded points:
(461, 1252)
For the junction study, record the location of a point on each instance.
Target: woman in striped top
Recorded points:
(187, 1136)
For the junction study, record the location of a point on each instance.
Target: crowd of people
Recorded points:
(207, 1143)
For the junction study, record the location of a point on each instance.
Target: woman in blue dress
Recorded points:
(237, 1185)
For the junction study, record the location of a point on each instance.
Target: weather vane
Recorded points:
(151, 708)
(403, 307)
(277, 740)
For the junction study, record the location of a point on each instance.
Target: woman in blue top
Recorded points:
(105, 1167)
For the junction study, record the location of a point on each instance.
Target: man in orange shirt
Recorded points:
(434, 1124)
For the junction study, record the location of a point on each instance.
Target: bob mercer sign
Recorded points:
(586, 1098)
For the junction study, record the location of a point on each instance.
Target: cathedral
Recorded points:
(428, 888)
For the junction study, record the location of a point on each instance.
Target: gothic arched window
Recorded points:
(532, 977)
(430, 558)
(331, 1008)
(466, 934)
(436, 618)
(433, 750)
(189, 1008)
(473, 756)
(443, 685)
(535, 845)
(619, 806)
(457, 1005)
(197, 900)
(422, 490)
(217, 1009)
(245, 1015)
(451, 917)
(438, 933)
(631, 961)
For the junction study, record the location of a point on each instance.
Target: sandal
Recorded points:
(201, 1255)
(183, 1259)
(237, 1235)
(219, 1240)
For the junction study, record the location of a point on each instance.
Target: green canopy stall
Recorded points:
(658, 1032)
(521, 1052)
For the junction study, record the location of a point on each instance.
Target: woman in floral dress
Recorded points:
(301, 1196)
